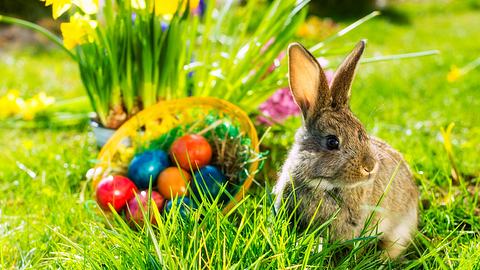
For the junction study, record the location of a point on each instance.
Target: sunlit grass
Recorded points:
(48, 218)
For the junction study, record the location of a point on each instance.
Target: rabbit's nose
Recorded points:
(369, 164)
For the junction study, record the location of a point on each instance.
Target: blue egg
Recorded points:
(146, 166)
(183, 204)
(207, 181)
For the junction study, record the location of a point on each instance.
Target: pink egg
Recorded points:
(133, 212)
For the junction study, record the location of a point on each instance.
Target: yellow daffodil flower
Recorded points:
(315, 27)
(44, 100)
(11, 104)
(88, 6)
(138, 4)
(61, 6)
(30, 110)
(78, 31)
(58, 6)
(36, 104)
(169, 7)
(166, 7)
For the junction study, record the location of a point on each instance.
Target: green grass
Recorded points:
(48, 218)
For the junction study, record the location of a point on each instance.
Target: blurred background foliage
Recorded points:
(405, 102)
(28, 9)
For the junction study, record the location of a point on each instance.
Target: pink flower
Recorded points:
(323, 62)
(278, 107)
(329, 74)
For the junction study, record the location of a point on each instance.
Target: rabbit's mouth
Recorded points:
(364, 177)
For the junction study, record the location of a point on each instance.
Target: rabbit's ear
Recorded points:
(342, 80)
(307, 80)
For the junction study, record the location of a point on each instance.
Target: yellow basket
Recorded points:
(165, 115)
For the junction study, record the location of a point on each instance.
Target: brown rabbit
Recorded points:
(335, 166)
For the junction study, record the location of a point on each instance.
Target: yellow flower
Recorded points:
(58, 6)
(30, 109)
(78, 31)
(315, 27)
(44, 100)
(138, 4)
(166, 7)
(11, 104)
(453, 74)
(169, 7)
(27, 144)
(61, 6)
(88, 6)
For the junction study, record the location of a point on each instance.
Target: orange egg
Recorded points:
(173, 182)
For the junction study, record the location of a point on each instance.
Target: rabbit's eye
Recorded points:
(332, 142)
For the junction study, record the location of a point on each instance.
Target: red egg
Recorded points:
(115, 190)
(134, 212)
(191, 149)
(173, 182)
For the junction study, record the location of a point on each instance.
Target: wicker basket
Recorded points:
(162, 117)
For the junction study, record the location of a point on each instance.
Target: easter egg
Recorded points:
(191, 149)
(173, 182)
(146, 166)
(133, 211)
(208, 181)
(115, 190)
(184, 205)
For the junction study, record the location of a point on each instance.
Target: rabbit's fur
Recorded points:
(362, 173)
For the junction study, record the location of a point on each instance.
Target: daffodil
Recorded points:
(58, 6)
(315, 27)
(87, 6)
(61, 6)
(166, 7)
(138, 4)
(44, 100)
(11, 104)
(30, 109)
(169, 7)
(78, 31)
(36, 104)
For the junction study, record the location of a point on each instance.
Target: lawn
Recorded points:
(48, 218)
